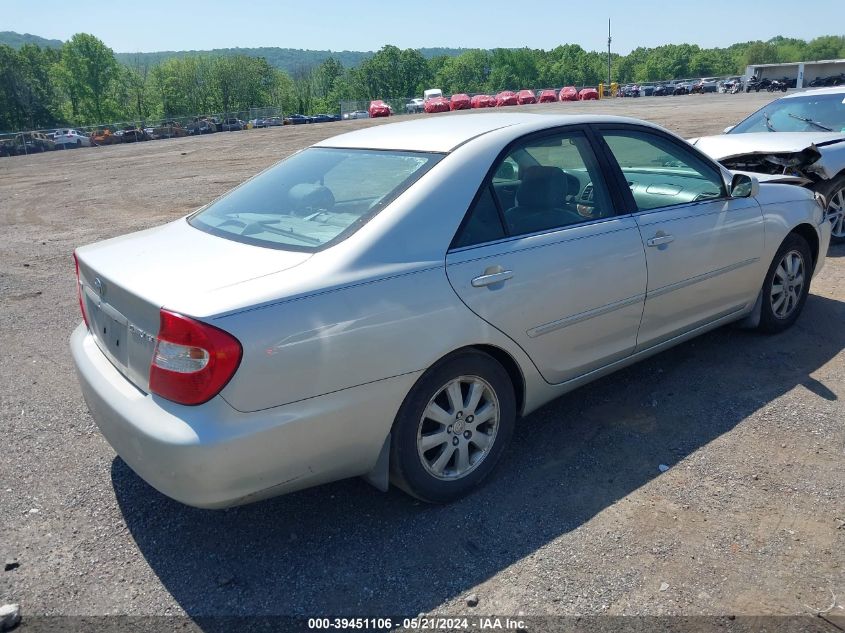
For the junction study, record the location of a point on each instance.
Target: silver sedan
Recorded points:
(388, 302)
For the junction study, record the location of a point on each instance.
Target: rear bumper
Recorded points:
(212, 456)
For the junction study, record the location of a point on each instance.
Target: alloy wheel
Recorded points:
(458, 427)
(788, 284)
(836, 213)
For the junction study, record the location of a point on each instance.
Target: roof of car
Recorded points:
(836, 90)
(443, 133)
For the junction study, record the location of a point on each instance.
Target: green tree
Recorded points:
(468, 72)
(90, 75)
(137, 97)
(28, 98)
(327, 76)
(759, 53)
(826, 47)
(392, 72)
(513, 69)
(185, 86)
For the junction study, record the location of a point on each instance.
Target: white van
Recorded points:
(431, 93)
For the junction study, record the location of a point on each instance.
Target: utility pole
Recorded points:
(608, 53)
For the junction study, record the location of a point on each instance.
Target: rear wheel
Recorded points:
(452, 428)
(834, 194)
(787, 285)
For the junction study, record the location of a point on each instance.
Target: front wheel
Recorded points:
(787, 285)
(452, 428)
(834, 195)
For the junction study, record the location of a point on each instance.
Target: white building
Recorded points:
(802, 72)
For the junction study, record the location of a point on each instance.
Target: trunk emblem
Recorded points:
(144, 336)
(100, 287)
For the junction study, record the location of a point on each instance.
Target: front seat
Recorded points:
(540, 201)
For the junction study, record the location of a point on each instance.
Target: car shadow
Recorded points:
(836, 250)
(346, 549)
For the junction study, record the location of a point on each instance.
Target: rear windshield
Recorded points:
(314, 198)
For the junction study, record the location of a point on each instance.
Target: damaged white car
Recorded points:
(800, 139)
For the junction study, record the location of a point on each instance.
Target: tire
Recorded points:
(414, 468)
(834, 194)
(791, 266)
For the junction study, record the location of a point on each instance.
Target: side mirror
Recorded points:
(728, 129)
(744, 186)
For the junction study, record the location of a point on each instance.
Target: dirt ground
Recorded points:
(578, 519)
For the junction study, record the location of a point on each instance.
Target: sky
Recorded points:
(155, 25)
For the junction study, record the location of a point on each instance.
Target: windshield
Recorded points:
(316, 197)
(807, 113)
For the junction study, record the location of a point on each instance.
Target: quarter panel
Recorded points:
(352, 336)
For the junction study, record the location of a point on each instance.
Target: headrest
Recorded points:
(544, 187)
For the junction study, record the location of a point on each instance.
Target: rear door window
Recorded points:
(544, 183)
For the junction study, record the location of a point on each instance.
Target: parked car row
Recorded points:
(27, 143)
(67, 138)
(303, 119)
(434, 101)
(730, 85)
(669, 88)
(463, 101)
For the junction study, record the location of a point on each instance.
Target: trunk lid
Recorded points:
(127, 280)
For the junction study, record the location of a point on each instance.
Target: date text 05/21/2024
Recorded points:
(422, 623)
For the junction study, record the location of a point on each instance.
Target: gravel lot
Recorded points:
(578, 519)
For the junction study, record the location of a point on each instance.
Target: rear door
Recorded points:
(703, 248)
(543, 257)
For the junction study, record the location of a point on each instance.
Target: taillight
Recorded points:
(79, 290)
(192, 361)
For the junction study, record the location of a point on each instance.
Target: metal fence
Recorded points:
(41, 140)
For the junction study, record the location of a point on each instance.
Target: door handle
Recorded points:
(493, 275)
(657, 240)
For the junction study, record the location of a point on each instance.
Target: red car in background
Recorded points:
(379, 108)
(547, 96)
(568, 93)
(588, 94)
(526, 97)
(437, 104)
(506, 98)
(460, 101)
(483, 101)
